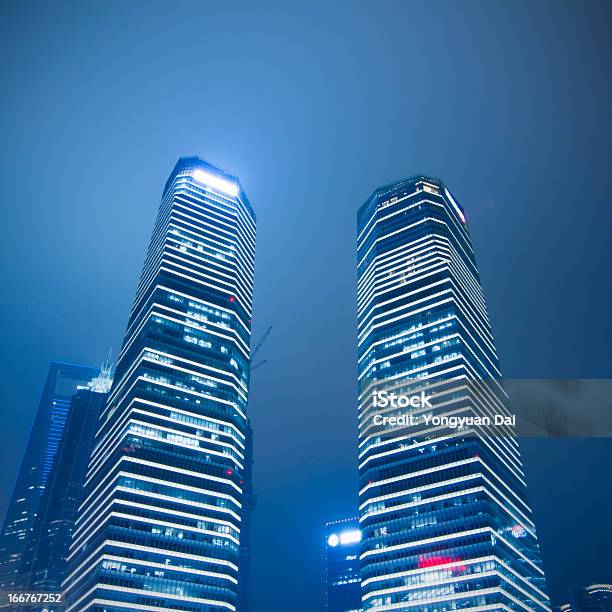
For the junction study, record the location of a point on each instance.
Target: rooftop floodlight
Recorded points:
(350, 537)
(215, 182)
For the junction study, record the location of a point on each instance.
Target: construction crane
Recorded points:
(259, 364)
(253, 366)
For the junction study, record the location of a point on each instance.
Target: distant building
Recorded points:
(342, 542)
(594, 598)
(44, 563)
(45, 436)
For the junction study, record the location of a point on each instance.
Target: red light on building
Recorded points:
(436, 561)
(232, 298)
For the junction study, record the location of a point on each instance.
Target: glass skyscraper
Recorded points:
(342, 544)
(594, 598)
(44, 560)
(161, 523)
(443, 510)
(43, 443)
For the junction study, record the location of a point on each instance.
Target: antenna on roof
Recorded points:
(107, 364)
(103, 381)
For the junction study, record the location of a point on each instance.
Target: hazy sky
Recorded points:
(313, 105)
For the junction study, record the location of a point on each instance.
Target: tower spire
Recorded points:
(102, 383)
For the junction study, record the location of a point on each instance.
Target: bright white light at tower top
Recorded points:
(215, 182)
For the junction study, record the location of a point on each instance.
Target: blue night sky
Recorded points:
(313, 106)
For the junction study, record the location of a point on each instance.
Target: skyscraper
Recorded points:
(594, 598)
(160, 524)
(45, 437)
(44, 560)
(443, 510)
(342, 544)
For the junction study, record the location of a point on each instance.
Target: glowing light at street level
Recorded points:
(215, 182)
(333, 540)
(350, 537)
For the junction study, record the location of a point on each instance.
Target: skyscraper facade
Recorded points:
(160, 525)
(443, 510)
(342, 544)
(44, 561)
(45, 437)
(248, 506)
(594, 598)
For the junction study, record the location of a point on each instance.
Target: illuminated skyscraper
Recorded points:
(45, 437)
(44, 560)
(160, 526)
(594, 598)
(443, 511)
(342, 543)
